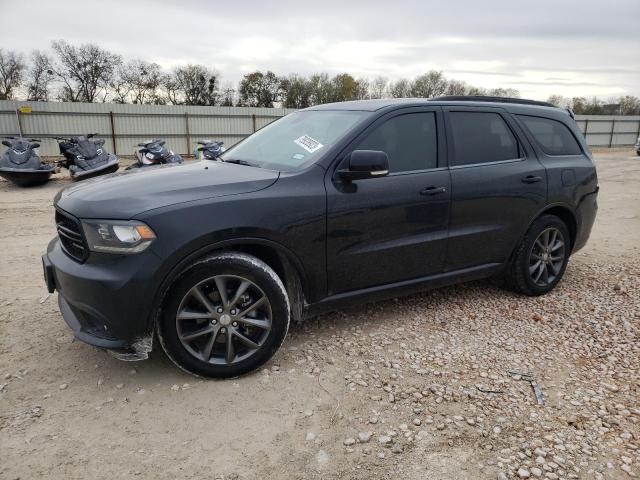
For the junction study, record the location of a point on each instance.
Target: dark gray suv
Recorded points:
(327, 206)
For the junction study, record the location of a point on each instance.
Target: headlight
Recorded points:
(114, 236)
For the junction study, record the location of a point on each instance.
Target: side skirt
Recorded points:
(406, 287)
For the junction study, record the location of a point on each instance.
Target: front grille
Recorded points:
(71, 237)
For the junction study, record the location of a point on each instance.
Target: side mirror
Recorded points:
(364, 164)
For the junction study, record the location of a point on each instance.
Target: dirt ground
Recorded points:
(424, 387)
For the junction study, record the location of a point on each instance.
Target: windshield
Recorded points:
(294, 141)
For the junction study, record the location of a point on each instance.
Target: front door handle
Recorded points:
(433, 190)
(531, 179)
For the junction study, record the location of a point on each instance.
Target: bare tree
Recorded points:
(456, 87)
(629, 105)
(85, 71)
(477, 91)
(227, 95)
(429, 85)
(141, 81)
(400, 88)
(559, 101)
(504, 92)
(172, 94)
(362, 89)
(39, 77)
(12, 69)
(192, 85)
(119, 87)
(378, 87)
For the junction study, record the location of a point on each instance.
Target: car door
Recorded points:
(498, 185)
(392, 228)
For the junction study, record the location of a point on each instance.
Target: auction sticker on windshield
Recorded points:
(309, 144)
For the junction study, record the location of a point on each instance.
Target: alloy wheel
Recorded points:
(224, 319)
(547, 257)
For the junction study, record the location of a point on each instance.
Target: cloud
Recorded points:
(567, 47)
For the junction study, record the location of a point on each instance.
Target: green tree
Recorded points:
(259, 89)
(579, 105)
(296, 92)
(322, 89)
(345, 87)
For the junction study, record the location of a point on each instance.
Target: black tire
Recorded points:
(228, 265)
(518, 276)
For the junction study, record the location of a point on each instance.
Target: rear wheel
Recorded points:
(225, 316)
(541, 258)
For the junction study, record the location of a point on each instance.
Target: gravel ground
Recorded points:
(440, 385)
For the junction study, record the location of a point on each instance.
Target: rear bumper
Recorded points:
(107, 301)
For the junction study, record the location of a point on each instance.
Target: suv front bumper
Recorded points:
(107, 302)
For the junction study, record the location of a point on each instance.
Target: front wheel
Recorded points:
(541, 259)
(226, 315)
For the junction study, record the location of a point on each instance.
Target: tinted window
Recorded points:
(554, 137)
(480, 137)
(409, 140)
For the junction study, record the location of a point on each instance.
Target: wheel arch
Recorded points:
(284, 262)
(563, 212)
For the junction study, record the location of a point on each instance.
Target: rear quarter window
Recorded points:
(553, 136)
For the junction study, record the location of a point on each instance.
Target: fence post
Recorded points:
(586, 128)
(113, 132)
(186, 127)
(253, 121)
(19, 122)
(613, 127)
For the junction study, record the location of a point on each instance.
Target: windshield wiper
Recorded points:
(237, 161)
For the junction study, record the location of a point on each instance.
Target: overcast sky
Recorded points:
(540, 47)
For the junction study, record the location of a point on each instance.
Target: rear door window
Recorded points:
(481, 137)
(553, 137)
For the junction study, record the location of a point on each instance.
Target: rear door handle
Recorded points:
(433, 190)
(531, 179)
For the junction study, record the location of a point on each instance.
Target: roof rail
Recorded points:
(485, 98)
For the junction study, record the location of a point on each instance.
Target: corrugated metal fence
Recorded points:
(181, 126)
(609, 130)
(126, 125)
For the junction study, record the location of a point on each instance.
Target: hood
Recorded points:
(124, 195)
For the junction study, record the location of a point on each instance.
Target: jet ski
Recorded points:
(154, 152)
(208, 149)
(85, 157)
(21, 164)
